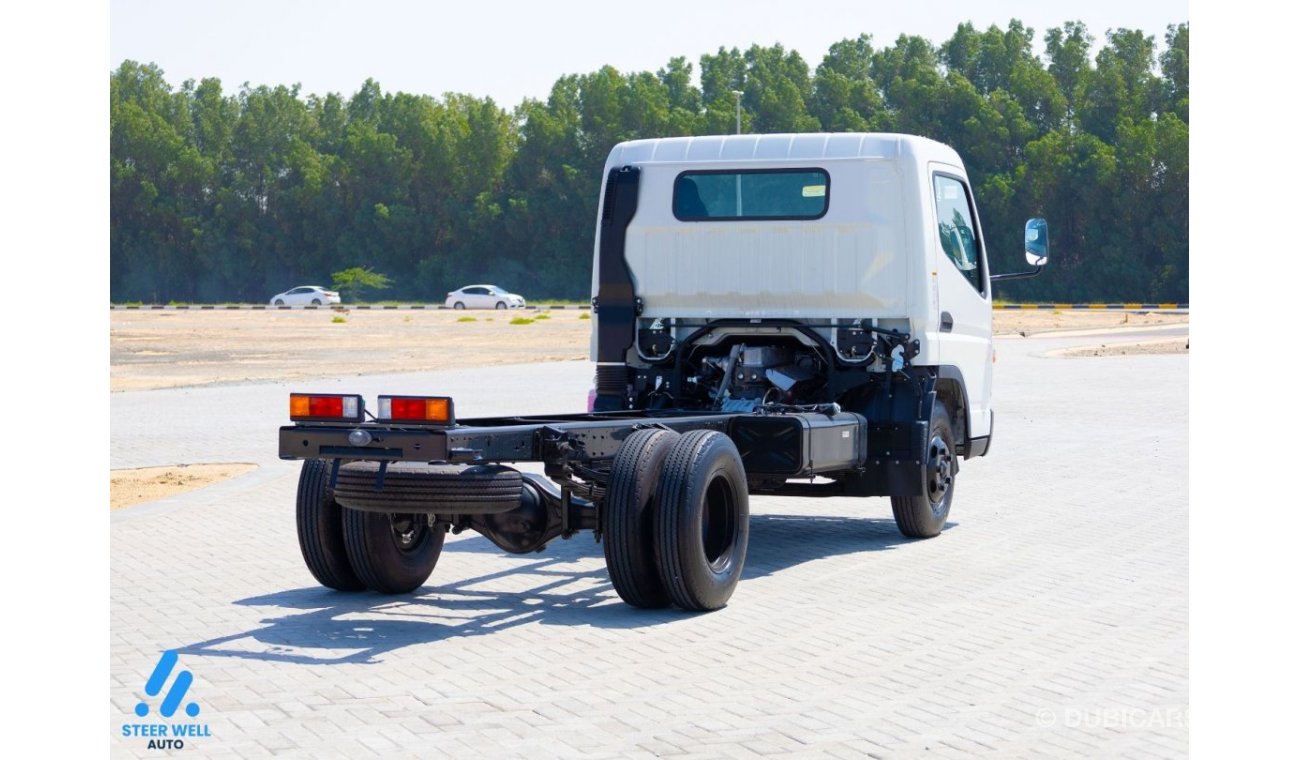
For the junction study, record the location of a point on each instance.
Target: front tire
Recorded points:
(924, 516)
(500, 305)
(279, 302)
(320, 529)
(629, 517)
(391, 553)
(702, 520)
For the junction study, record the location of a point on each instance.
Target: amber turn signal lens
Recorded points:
(428, 409)
(325, 407)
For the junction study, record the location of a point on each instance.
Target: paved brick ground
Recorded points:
(1050, 618)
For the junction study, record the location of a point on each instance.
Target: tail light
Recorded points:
(326, 407)
(429, 410)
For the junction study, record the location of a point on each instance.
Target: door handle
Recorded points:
(945, 322)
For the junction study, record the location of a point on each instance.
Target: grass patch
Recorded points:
(585, 315)
(522, 321)
(543, 315)
(468, 319)
(338, 320)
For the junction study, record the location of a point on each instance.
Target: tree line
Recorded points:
(220, 196)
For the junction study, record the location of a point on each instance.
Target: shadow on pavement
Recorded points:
(552, 588)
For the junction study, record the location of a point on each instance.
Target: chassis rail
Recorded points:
(785, 445)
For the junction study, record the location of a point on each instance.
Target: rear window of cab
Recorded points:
(751, 194)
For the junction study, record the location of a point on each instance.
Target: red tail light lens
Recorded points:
(326, 407)
(437, 410)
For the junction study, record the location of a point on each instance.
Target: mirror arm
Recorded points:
(1016, 275)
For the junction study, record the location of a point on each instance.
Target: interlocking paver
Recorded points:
(1058, 592)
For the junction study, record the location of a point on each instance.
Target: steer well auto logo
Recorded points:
(173, 730)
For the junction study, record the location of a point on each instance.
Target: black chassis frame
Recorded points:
(535, 438)
(582, 445)
(577, 449)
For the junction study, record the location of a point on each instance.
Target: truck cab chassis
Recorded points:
(802, 315)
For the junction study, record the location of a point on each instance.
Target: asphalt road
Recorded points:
(1049, 619)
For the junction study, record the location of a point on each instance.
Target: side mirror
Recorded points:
(1035, 251)
(1036, 242)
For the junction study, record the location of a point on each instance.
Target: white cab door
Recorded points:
(965, 302)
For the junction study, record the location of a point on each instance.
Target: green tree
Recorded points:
(1175, 68)
(777, 90)
(229, 196)
(844, 96)
(1068, 49)
(1122, 86)
(354, 281)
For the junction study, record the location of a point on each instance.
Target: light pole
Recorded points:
(737, 93)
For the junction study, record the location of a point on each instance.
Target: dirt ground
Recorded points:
(168, 349)
(127, 487)
(171, 349)
(1171, 346)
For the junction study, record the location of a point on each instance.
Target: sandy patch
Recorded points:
(127, 487)
(1169, 346)
(203, 348)
(1031, 321)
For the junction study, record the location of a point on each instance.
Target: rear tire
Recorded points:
(702, 520)
(629, 517)
(391, 553)
(315, 302)
(320, 530)
(924, 516)
(458, 306)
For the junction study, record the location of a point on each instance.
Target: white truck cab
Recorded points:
(734, 272)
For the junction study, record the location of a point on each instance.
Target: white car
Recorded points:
(305, 295)
(484, 297)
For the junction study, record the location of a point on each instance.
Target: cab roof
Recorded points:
(779, 147)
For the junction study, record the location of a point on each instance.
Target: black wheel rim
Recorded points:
(719, 523)
(938, 472)
(408, 530)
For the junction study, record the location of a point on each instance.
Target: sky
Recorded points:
(513, 50)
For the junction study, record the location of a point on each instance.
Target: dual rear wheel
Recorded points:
(676, 519)
(351, 550)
